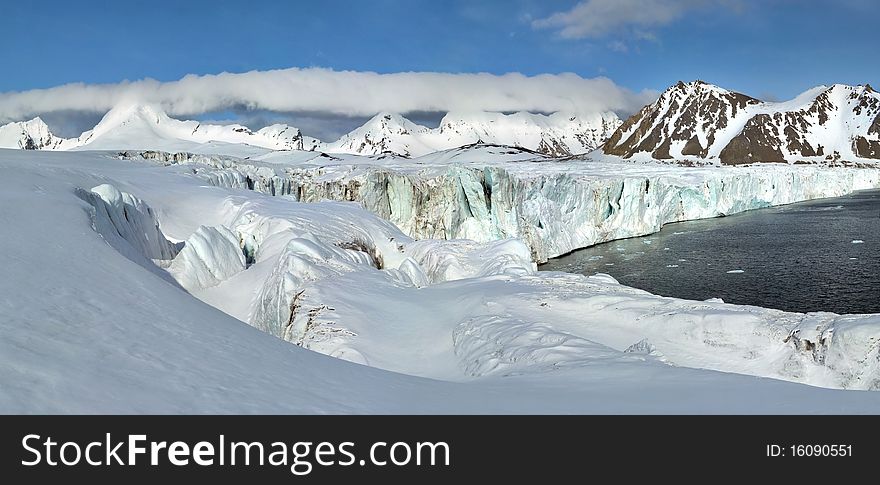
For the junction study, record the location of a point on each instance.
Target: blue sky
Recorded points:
(771, 49)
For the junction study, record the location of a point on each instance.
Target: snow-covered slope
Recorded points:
(698, 121)
(28, 135)
(86, 329)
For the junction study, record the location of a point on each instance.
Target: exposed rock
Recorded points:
(866, 148)
(758, 142)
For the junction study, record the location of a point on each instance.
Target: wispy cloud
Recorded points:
(348, 93)
(618, 46)
(600, 18)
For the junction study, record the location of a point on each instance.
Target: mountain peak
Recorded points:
(687, 118)
(126, 112)
(33, 134)
(390, 120)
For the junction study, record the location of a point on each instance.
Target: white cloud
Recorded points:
(348, 93)
(598, 18)
(618, 46)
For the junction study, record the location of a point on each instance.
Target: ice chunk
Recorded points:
(211, 255)
(121, 214)
(416, 275)
(604, 277)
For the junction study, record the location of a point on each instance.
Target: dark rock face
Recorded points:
(553, 148)
(758, 142)
(643, 121)
(693, 147)
(866, 148)
(875, 126)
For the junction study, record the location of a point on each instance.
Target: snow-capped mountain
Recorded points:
(143, 126)
(697, 120)
(134, 126)
(385, 132)
(28, 135)
(286, 137)
(558, 134)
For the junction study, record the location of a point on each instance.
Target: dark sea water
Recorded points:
(801, 257)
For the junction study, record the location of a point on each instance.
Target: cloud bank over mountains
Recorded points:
(342, 93)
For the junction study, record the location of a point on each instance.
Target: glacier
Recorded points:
(555, 206)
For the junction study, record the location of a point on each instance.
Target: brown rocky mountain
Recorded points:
(700, 121)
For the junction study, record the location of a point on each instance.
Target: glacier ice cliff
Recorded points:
(554, 206)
